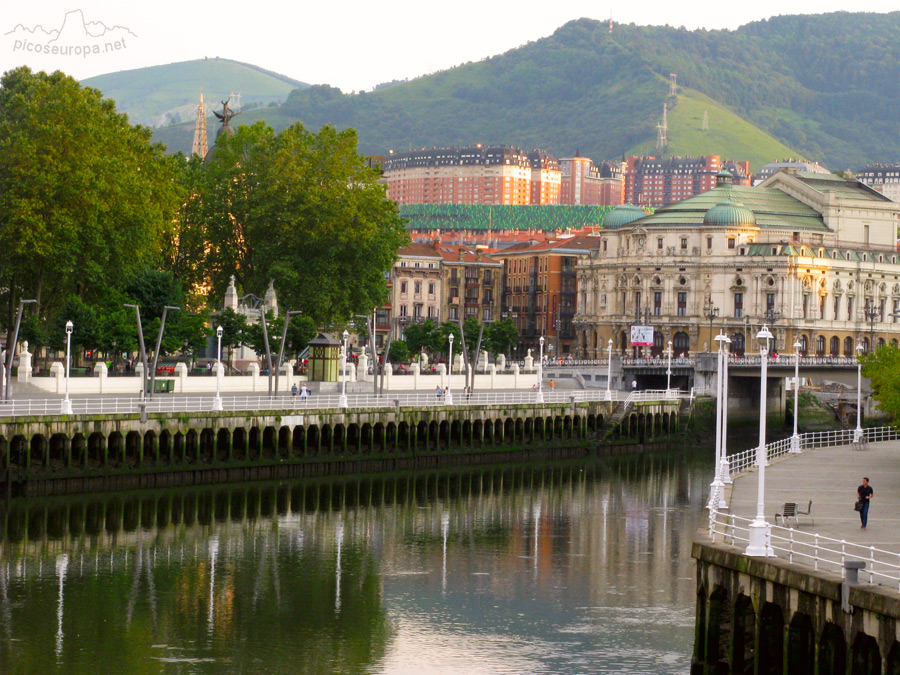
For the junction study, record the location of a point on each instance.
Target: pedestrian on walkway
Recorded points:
(438, 391)
(865, 492)
(293, 391)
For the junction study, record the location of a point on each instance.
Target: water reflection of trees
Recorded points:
(287, 577)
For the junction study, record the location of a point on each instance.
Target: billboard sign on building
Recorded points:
(642, 336)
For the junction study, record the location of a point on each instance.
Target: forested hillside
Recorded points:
(825, 87)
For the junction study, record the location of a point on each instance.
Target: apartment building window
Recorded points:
(684, 243)
(604, 245)
(709, 243)
(731, 242)
(682, 303)
(657, 303)
(402, 288)
(454, 313)
(770, 302)
(486, 315)
(487, 276)
(637, 304)
(821, 306)
(738, 305)
(431, 288)
(431, 312)
(849, 308)
(659, 244)
(417, 311)
(402, 310)
(418, 288)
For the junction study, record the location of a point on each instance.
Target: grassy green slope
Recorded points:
(728, 135)
(156, 95)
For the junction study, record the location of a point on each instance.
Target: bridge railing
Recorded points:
(788, 360)
(101, 406)
(809, 548)
(658, 362)
(742, 461)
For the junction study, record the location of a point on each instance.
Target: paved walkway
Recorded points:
(829, 477)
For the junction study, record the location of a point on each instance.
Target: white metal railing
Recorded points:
(657, 362)
(810, 549)
(788, 360)
(742, 461)
(167, 403)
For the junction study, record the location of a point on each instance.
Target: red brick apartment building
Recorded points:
(472, 175)
(660, 181)
(589, 184)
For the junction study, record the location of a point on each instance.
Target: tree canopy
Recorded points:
(882, 367)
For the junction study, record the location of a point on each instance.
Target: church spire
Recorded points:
(200, 146)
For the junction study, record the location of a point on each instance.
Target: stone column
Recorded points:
(101, 372)
(24, 372)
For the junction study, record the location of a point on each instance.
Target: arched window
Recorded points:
(835, 349)
(848, 346)
(865, 344)
(880, 343)
(820, 345)
(738, 344)
(804, 345)
(657, 343)
(681, 344)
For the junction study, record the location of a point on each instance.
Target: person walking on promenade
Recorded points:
(864, 492)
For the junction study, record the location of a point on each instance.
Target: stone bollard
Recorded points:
(101, 372)
(851, 578)
(58, 372)
(24, 373)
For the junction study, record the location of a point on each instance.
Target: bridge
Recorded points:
(110, 443)
(827, 597)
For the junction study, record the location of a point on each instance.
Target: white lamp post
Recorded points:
(669, 367)
(540, 391)
(795, 439)
(449, 397)
(759, 528)
(858, 433)
(343, 400)
(609, 369)
(217, 401)
(716, 496)
(67, 403)
(723, 462)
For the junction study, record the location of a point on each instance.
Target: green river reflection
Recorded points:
(576, 567)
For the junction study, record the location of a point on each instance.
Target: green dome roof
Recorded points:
(729, 214)
(622, 215)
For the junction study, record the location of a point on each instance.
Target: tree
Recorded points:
(84, 196)
(233, 327)
(501, 335)
(882, 367)
(399, 352)
(299, 209)
(422, 336)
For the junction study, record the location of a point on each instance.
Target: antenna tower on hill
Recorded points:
(662, 132)
(673, 84)
(236, 98)
(610, 21)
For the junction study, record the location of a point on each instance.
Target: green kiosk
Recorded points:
(324, 358)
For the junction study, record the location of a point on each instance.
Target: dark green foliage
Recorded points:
(882, 367)
(399, 352)
(500, 335)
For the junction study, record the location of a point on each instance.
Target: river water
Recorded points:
(574, 567)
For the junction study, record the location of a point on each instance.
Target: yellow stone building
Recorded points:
(814, 256)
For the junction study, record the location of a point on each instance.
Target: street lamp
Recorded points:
(144, 364)
(557, 324)
(540, 392)
(710, 311)
(449, 397)
(609, 369)
(668, 367)
(287, 320)
(343, 399)
(858, 433)
(871, 313)
(217, 401)
(795, 439)
(67, 403)
(11, 350)
(758, 544)
(716, 496)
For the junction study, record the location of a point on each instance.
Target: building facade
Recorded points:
(416, 286)
(472, 282)
(813, 256)
(882, 178)
(659, 181)
(472, 175)
(586, 183)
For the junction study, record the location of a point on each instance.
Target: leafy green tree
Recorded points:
(423, 336)
(84, 196)
(882, 367)
(399, 352)
(500, 336)
(447, 328)
(300, 209)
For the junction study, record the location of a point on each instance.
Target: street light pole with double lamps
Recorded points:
(609, 370)
(217, 401)
(716, 492)
(343, 400)
(758, 544)
(449, 397)
(858, 432)
(540, 391)
(795, 439)
(67, 403)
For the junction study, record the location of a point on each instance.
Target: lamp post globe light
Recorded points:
(795, 439)
(343, 399)
(217, 401)
(758, 544)
(540, 391)
(858, 432)
(449, 397)
(668, 367)
(67, 403)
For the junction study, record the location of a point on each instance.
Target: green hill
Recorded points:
(161, 95)
(824, 87)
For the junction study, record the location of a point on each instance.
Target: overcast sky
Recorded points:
(353, 45)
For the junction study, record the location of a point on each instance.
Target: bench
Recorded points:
(861, 444)
(790, 510)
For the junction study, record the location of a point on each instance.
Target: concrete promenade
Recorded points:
(829, 477)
